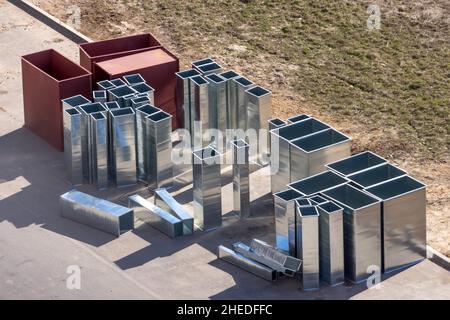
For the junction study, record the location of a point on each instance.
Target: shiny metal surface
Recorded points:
(259, 101)
(356, 163)
(184, 97)
(105, 85)
(72, 146)
(241, 84)
(217, 93)
(144, 88)
(96, 212)
(284, 209)
(165, 201)
(308, 246)
(231, 98)
(241, 181)
(207, 188)
(297, 118)
(110, 106)
(374, 175)
(98, 141)
(273, 124)
(142, 143)
(74, 102)
(124, 146)
(403, 221)
(128, 100)
(99, 96)
(156, 217)
(362, 230)
(310, 154)
(86, 153)
(331, 243)
(209, 68)
(246, 264)
(318, 183)
(159, 151)
(119, 93)
(140, 101)
(199, 105)
(280, 140)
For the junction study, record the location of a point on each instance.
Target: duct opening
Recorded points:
(148, 109)
(288, 195)
(308, 211)
(298, 118)
(244, 81)
(93, 107)
(320, 140)
(72, 112)
(302, 202)
(159, 116)
(350, 197)
(142, 87)
(301, 129)
(356, 163)
(76, 100)
(319, 182)
(277, 122)
(122, 91)
(329, 207)
(98, 116)
(118, 82)
(99, 94)
(395, 188)
(209, 67)
(318, 199)
(122, 112)
(105, 84)
(376, 175)
(206, 153)
(199, 80)
(229, 74)
(258, 91)
(112, 105)
(187, 73)
(202, 62)
(132, 79)
(215, 78)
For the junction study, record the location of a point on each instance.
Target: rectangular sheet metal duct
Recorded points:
(231, 98)
(140, 101)
(165, 201)
(72, 146)
(318, 183)
(217, 93)
(246, 264)
(183, 97)
(362, 230)
(403, 221)
(74, 102)
(105, 85)
(259, 101)
(241, 180)
(159, 152)
(310, 154)
(98, 141)
(120, 93)
(99, 96)
(297, 118)
(331, 243)
(241, 84)
(207, 188)
(96, 212)
(280, 140)
(274, 124)
(200, 118)
(201, 62)
(124, 146)
(155, 216)
(308, 246)
(142, 143)
(209, 68)
(356, 163)
(375, 175)
(284, 208)
(133, 79)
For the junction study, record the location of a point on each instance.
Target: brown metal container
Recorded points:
(157, 67)
(48, 77)
(99, 51)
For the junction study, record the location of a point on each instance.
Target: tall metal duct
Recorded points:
(184, 97)
(142, 144)
(241, 84)
(98, 140)
(158, 132)
(280, 140)
(362, 230)
(72, 146)
(331, 243)
(403, 221)
(217, 93)
(99, 96)
(207, 188)
(231, 98)
(124, 146)
(308, 246)
(241, 178)
(110, 106)
(274, 124)
(199, 112)
(96, 213)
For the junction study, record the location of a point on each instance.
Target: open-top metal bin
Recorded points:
(47, 78)
(403, 220)
(356, 163)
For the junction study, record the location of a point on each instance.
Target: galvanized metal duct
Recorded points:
(297, 118)
(96, 212)
(201, 62)
(119, 94)
(144, 88)
(403, 221)
(98, 140)
(164, 200)
(241, 178)
(200, 118)
(74, 102)
(140, 101)
(209, 68)
(207, 188)
(231, 98)
(124, 146)
(246, 264)
(217, 94)
(308, 246)
(274, 124)
(362, 230)
(132, 79)
(356, 163)
(111, 105)
(280, 140)
(241, 84)
(99, 96)
(318, 183)
(142, 144)
(159, 152)
(155, 216)
(284, 209)
(184, 97)
(105, 85)
(72, 146)
(310, 154)
(374, 175)
(331, 243)
(118, 82)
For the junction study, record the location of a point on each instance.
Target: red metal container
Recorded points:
(48, 77)
(157, 67)
(114, 48)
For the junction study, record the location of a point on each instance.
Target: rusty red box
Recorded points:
(157, 67)
(48, 77)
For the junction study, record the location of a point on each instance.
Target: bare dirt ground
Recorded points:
(373, 110)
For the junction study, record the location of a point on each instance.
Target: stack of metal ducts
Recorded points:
(261, 259)
(120, 137)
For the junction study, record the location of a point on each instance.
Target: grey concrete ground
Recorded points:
(37, 245)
